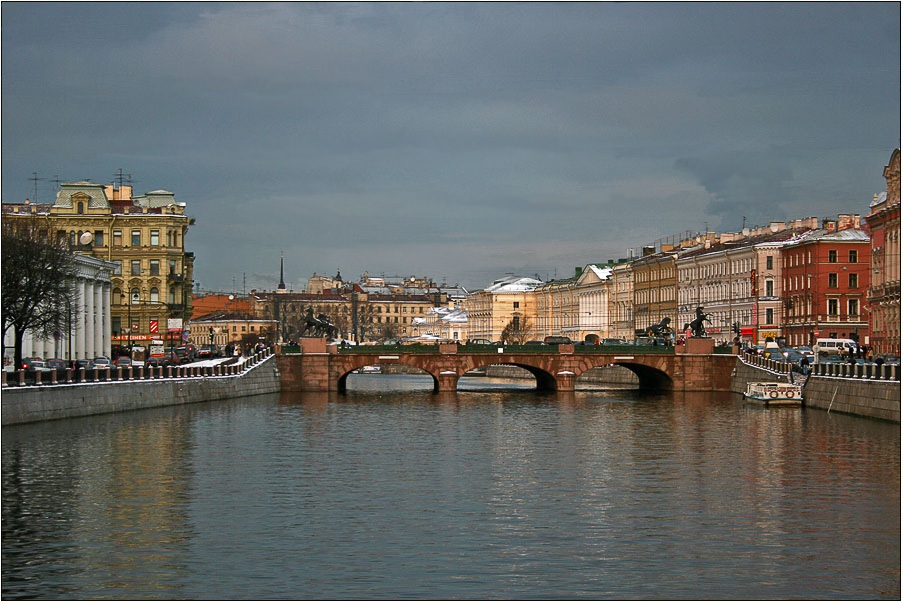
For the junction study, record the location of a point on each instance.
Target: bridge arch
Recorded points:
(348, 368)
(649, 377)
(545, 380)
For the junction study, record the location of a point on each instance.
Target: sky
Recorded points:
(458, 141)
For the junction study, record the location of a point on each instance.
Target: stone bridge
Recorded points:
(690, 368)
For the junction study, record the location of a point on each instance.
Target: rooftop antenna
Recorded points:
(34, 178)
(56, 180)
(744, 223)
(243, 283)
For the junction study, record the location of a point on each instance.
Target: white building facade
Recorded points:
(89, 333)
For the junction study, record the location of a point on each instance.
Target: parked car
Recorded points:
(557, 340)
(85, 363)
(102, 362)
(32, 362)
(478, 342)
(186, 353)
(535, 342)
(123, 361)
(209, 351)
(613, 341)
(57, 363)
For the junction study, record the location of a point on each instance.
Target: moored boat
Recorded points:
(774, 394)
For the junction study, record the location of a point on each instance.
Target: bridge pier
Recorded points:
(446, 381)
(564, 381)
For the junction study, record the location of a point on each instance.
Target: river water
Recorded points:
(393, 492)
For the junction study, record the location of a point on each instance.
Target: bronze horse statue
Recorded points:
(319, 326)
(696, 325)
(661, 329)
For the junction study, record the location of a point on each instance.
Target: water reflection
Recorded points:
(475, 494)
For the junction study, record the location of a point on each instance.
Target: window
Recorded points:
(172, 266)
(118, 268)
(769, 288)
(252, 327)
(155, 267)
(832, 280)
(832, 256)
(769, 262)
(854, 256)
(154, 295)
(243, 328)
(155, 237)
(172, 296)
(136, 267)
(234, 328)
(853, 307)
(98, 238)
(81, 207)
(854, 281)
(517, 304)
(136, 237)
(832, 307)
(117, 237)
(769, 316)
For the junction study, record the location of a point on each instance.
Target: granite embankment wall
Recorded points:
(42, 403)
(873, 398)
(876, 398)
(744, 373)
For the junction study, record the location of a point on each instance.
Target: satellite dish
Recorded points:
(231, 297)
(86, 238)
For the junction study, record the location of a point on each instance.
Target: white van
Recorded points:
(834, 346)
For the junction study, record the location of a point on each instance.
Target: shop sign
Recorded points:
(154, 326)
(750, 331)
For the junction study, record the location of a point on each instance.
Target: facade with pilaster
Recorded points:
(88, 333)
(884, 288)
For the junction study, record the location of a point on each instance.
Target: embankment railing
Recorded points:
(23, 378)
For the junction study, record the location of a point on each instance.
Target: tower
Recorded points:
(281, 288)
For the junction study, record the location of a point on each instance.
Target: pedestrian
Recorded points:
(879, 361)
(804, 365)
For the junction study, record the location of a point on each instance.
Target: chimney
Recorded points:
(648, 250)
(829, 225)
(777, 226)
(708, 243)
(27, 202)
(727, 237)
(667, 247)
(846, 221)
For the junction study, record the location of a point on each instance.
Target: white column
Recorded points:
(98, 318)
(89, 319)
(79, 322)
(107, 330)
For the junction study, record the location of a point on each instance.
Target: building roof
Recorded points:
(513, 284)
(95, 192)
(847, 235)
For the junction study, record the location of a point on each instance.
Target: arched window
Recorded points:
(81, 207)
(154, 295)
(72, 238)
(117, 296)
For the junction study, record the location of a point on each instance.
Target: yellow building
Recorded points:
(510, 300)
(143, 236)
(224, 328)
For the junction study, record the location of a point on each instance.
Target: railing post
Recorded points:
(21, 376)
(118, 373)
(3, 379)
(52, 376)
(37, 377)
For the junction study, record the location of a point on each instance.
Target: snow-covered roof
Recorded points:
(847, 234)
(602, 273)
(514, 284)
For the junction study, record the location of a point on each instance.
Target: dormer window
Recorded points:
(81, 207)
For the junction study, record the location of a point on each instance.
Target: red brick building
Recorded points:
(884, 289)
(825, 282)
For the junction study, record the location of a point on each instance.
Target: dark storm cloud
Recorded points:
(461, 140)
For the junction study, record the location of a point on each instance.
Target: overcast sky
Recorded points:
(456, 141)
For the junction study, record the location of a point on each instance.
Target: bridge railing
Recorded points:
(506, 349)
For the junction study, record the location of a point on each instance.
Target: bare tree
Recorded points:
(37, 275)
(517, 331)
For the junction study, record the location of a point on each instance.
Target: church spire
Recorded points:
(281, 273)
